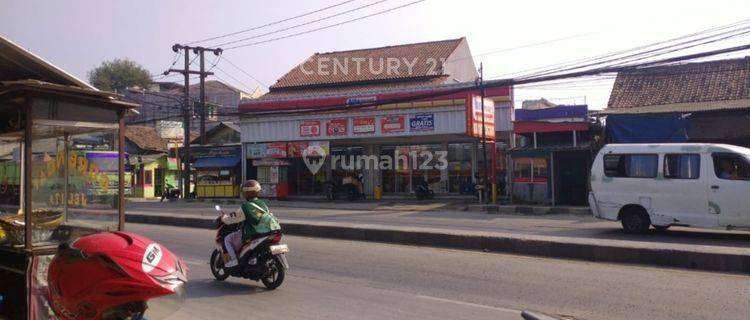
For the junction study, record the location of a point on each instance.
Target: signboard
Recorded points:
(392, 124)
(360, 100)
(296, 148)
(276, 150)
(363, 125)
(422, 122)
(474, 118)
(256, 151)
(170, 129)
(309, 128)
(336, 127)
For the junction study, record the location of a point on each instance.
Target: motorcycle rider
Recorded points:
(256, 217)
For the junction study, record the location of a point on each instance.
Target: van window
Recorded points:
(682, 166)
(631, 165)
(731, 166)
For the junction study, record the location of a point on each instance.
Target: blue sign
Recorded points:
(422, 122)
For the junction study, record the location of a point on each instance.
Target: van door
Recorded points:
(682, 197)
(729, 187)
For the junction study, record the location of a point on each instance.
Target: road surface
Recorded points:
(335, 279)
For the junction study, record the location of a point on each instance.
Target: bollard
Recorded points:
(378, 192)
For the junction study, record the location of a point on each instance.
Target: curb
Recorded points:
(528, 210)
(610, 251)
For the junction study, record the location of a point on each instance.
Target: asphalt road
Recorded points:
(334, 279)
(548, 225)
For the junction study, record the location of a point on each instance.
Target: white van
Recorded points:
(675, 184)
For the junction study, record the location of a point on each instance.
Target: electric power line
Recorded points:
(245, 72)
(326, 27)
(271, 23)
(301, 24)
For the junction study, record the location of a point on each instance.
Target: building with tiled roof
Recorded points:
(391, 67)
(712, 85)
(375, 102)
(700, 102)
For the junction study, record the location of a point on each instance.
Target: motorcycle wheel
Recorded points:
(217, 266)
(273, 278)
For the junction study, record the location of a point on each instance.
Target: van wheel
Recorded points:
(635, 220)
(661, 228)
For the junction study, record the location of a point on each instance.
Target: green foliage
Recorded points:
(118, 74)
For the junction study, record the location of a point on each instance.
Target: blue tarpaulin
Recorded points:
(651, 128)
(217, 162)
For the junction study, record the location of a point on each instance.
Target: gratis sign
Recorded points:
(422, 122)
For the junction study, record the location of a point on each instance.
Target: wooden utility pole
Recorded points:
(187, 110)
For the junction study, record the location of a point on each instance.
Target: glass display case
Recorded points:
(58, 147)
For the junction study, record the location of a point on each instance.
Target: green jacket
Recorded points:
(258, 219)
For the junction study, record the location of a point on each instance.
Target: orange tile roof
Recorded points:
(721, 80)
(426, 59)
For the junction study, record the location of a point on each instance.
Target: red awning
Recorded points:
(536, 126)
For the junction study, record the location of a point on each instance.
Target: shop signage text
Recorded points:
(336, 127)
(474, 118)
(309, 128)
(391, 124)
(422, 122)
(363, 125)
(360, 100)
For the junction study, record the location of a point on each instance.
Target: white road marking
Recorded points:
(195, 263)
(464, 303)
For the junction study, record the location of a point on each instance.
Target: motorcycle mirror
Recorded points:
(217, 207)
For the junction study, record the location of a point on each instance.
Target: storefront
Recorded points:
(391, 146)
(153, 175)
(217, 171)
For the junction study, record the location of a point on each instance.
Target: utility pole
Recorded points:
(187, 112)
(484, 132)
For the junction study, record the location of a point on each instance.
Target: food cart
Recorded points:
(51, 194)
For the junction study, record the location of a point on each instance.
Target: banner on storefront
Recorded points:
(296, 148)
(363, 125)
(276, 150)
(336, 127)
(309, 128)
(474, 117)
(392, 124)
(422, 122)
(256, 151)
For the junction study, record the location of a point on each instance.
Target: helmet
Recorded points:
(112, 275)
(251, 189)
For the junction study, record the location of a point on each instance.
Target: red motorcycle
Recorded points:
(266, 250)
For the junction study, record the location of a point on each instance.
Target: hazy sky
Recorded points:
(78, 35)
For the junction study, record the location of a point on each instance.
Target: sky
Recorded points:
(77, 35)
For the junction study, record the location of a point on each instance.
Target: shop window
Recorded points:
(730, 166)
(148, 177)
(631, 165)
(532, 170)
(682, 166)
(459, 168)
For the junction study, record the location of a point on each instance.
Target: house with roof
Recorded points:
(152, 170)
(693, 102)
(216, 158)
(400, 101)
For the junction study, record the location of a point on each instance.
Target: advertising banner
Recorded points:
(296, 148)
(309, 128)
(256, 151)
(336, 127)
(392, 124)
(276, 150)
(422, 122)
(363, 125)
(474, 117)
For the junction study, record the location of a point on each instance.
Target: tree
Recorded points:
(118, 74)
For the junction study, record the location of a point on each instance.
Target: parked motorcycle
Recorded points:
(267, 250)
(423, 191)
(349, 191)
